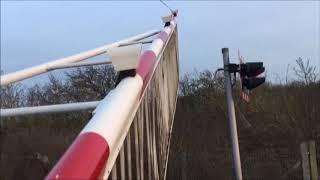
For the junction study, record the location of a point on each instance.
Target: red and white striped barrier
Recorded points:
(95, 149)
(245, 95)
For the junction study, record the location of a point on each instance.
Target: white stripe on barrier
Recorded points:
(173, 22)
(167, 29)
(112, 112)
(156, 46)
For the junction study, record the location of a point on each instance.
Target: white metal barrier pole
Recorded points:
(43, 68)
(232, 116)
(57, 108)
(75, 65)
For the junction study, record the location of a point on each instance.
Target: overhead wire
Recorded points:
(172, 11)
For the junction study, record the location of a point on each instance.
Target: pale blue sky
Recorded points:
(275, 32)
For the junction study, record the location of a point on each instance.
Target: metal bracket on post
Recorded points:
(175, 12)
(166, 20)
(125, 57)
(125, 60)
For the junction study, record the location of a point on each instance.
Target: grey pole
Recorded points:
(232, 116)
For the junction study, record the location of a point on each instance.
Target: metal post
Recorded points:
(232, 116)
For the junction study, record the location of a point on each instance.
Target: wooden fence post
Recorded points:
(305, 161)
(309, 160)
(313, 160)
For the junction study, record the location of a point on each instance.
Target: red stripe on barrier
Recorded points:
(84, 159)
(146, 64)
(148, 59)
(163, 36)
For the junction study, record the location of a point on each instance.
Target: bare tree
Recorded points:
(91, 83)
(198, 83)
(305, 71)
(12, 96)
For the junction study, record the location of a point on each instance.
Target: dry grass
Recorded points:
(270, 129)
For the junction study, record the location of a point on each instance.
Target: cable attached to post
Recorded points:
(172, 11)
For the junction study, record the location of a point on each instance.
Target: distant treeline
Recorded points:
(278, 118)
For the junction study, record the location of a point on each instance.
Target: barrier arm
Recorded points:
(43, 68)
(93, 152)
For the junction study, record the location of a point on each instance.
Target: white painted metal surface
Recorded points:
(57, 108)
(167, 29)
(114, 116)
(156, 46)
(36, 70)
(74, 65)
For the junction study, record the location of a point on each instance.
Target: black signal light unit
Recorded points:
(249, 72)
